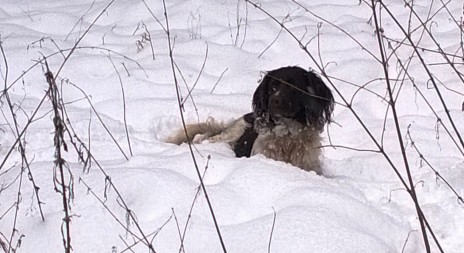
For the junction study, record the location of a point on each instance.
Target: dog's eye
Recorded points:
(311, 90)
(274, 87)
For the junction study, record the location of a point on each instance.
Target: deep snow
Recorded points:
(359, 205)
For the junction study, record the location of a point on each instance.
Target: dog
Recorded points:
(291, 107)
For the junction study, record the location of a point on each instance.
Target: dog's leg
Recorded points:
(197, 132)
(231, 133)
(239, 134)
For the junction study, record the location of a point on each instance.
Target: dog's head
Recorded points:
(296, 94)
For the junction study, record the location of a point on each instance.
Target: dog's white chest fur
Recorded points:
(288, 141)
(302, 149)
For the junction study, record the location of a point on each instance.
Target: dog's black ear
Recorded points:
(261, 98)
(321, 104)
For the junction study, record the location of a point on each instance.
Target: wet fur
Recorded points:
(290, 109)
(211, 130)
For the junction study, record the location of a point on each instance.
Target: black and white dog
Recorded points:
(290, 109)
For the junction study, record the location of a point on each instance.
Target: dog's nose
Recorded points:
(275, 100)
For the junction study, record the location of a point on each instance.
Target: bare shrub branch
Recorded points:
(412, 190)
(353, 111)
(123, 105)
(168, 34)
(62, 187)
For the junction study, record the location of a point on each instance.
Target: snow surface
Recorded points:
(359, 205)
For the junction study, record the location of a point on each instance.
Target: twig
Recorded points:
(189, 216)
(18, 140)
(162, 226)
(272, 230)
(29, 122)
(16, 205)
(99, 118)
(272, 43)
(149, 39)
(109, 210)
(4, 243)
(154, 16)
(406, 241)
(412, 190)
(41, 61)
(350, 148)
(168, 33)
(431, 77)
(337, 27)
(121, 201)
(123, 105)
(198, 77)
(128, 247)
(80, 20)
(59, 160)
(349, 106)
(219, 79)
(429, 105)
(187, 87)
(82, 37)
(437, 174)
(109, 183)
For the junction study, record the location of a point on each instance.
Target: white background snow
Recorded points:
(358, 205)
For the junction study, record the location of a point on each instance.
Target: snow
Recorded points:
(358, 205)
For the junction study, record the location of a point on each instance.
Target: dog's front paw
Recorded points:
(199, 138)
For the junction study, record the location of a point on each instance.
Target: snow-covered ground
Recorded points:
(221, 48)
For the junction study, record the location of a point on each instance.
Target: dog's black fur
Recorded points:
(289, 92)
(290, 109)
